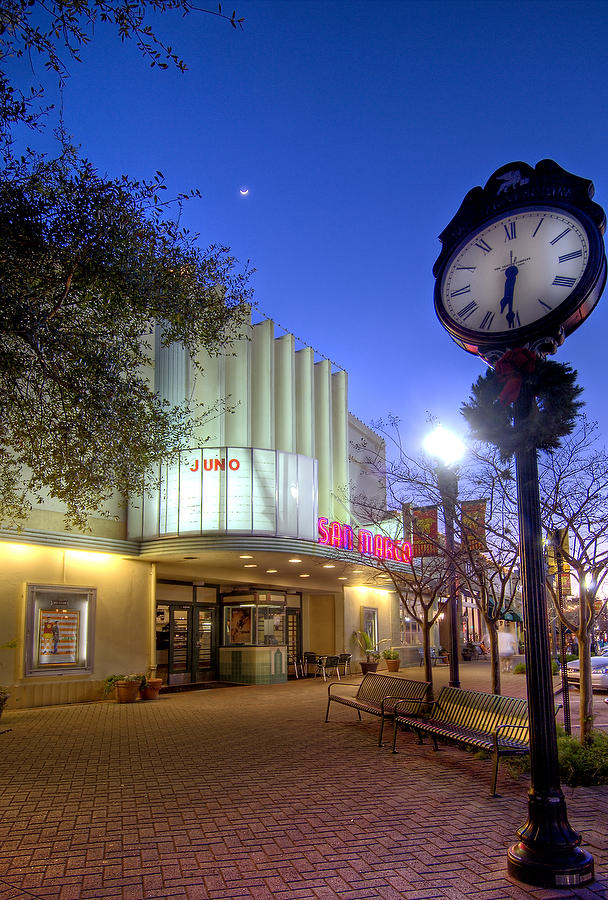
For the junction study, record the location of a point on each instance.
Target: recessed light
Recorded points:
(342, 578)
(250, 566)
(271, 571)
(329, 566)
(245, 556)
(302, 575)
(294, 560)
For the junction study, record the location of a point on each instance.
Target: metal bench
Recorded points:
(472, 718)
(378, 695)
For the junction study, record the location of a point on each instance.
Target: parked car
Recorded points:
(599, 672)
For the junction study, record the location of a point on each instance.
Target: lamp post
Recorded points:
(446, 448)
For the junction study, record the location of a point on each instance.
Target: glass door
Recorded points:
(180, 645)
(205, 643)
(186, 643)
(294, 639)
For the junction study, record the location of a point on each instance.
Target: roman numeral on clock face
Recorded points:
(564, 281)
(483, 245)
(487, 320)
(468, 310)
(463, 290)
(574, 255)
(510, 231)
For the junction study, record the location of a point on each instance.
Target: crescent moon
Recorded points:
(244, 191)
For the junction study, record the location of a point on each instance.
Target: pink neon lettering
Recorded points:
(347, 537)
(335, 538)
(365, 542)
(388, 549)
(407, 551)
(379, 546)
(323, 530)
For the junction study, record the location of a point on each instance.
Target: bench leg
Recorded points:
(327, 713)
(495, 775)
(381, 731)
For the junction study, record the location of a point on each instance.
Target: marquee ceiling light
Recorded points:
(250, 566)
(271, 571)
(245, 556)
(303, 575)
(329, 566)
(342, 578)
(294, 560)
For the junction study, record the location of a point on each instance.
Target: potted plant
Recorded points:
(149, 688)
(393, 660)
(372, 655)
(125, 687)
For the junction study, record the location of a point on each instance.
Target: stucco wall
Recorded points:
(123, 619)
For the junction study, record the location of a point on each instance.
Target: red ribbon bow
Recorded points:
(510, 370)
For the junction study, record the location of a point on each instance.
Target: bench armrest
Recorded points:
(419, 704)
(516, 728)
(348, 687)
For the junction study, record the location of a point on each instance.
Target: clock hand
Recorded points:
(507, 300)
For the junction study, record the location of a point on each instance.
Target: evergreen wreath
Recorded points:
(489, 411)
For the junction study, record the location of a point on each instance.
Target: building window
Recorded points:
(411, 633)
(59, 629)
(254, 621)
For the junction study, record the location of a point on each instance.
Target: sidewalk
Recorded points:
(245, 792)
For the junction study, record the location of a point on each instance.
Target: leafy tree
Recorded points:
(87, 265)
(574, 496)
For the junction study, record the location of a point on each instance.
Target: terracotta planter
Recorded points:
(393, 664)
(151, 690)
(126, 691)
(368, 667)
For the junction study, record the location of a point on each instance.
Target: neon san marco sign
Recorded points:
(335, 534)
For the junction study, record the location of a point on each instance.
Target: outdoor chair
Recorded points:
(325, 664)
(344, 661)
(310, 659)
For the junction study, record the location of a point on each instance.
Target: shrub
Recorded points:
(583, 764)
(520, 668)
(580, 765)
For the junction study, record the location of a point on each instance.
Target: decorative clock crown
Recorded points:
(518, 184)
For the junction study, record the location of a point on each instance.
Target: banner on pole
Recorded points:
(473, 525)
(425, 532)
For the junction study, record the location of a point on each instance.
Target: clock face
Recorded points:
(514, 272)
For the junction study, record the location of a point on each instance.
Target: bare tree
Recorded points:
(487, 558)
(574, 498)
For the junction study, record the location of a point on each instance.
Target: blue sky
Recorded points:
(358, 128)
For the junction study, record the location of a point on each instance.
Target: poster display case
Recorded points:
(59, 629)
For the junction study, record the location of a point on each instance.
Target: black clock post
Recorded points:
(522, 265)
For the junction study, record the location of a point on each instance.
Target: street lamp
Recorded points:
(447, 449)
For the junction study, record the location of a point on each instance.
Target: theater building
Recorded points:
(239, 554)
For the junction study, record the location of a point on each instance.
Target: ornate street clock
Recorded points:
(523, 261)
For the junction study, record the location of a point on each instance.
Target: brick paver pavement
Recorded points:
(245, 792)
